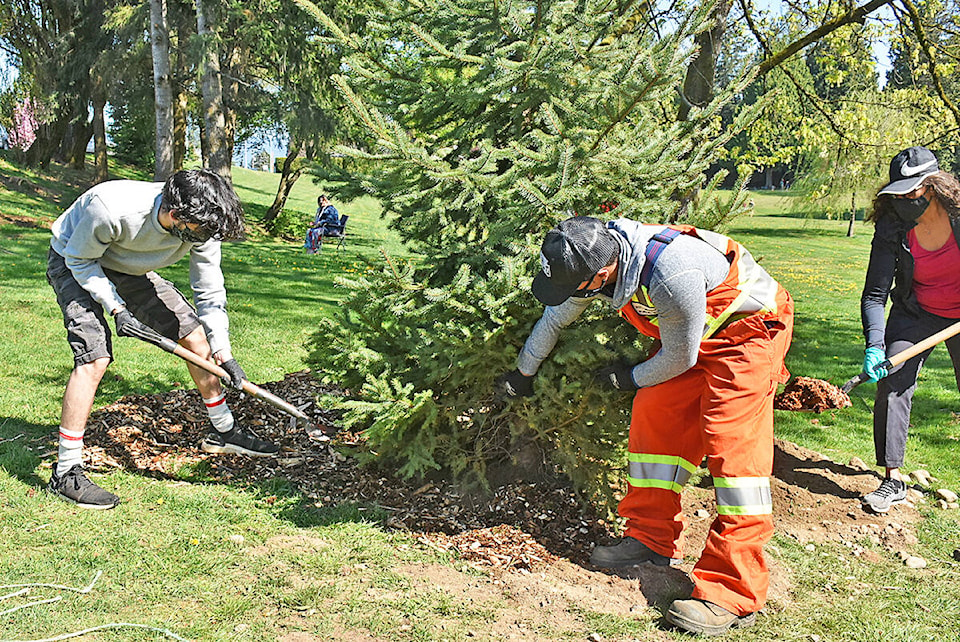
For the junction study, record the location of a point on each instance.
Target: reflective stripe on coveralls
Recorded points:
(735, 495)
(743, 495)
(659, 471)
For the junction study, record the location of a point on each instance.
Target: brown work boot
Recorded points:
(706, 618)
(628, 552)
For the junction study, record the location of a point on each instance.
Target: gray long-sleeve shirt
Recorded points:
(685, 271)
(114, 225)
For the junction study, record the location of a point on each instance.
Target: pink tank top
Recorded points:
(936, 277)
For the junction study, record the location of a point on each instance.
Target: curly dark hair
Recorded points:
(945, 186)
(204, 197)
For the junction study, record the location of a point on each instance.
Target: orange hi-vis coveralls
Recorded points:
(721, 408)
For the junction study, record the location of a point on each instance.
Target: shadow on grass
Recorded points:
(114, 386)
(304, 512)
(20, 443)
(791, 232)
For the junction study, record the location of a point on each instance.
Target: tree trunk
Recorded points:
(49, 135)
(231, 91)
(77, 151)
(82, 133)
(214, 132)
(702, 70)
(289, 175)
(99, 131)
(162, 89)
(76, 132)
(180, 107)
(179, 130)
(853, 213)
(768, 178)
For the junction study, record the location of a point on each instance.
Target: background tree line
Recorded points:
(227, 68)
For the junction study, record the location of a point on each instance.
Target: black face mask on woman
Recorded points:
(910, 209)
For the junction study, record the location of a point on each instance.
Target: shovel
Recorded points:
(905, 355)
(313, 431)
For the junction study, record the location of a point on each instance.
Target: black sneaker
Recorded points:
(238, 442)
(891, 491)
(74, 487)
(629, 552)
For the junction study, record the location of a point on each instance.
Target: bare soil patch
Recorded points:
(531, 540)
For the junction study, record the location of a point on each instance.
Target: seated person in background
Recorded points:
(327, 214)
(326, 217)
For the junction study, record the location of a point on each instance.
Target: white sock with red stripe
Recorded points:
(219, 411)
(70, 452)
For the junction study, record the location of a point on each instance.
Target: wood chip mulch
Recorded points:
(501, 547)
(807, 393)
(515, 526)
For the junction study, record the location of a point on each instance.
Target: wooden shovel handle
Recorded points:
(171, 346)
(905, 355)
(924, 345)
(250, 388)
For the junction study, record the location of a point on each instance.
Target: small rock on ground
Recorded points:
(947, 495)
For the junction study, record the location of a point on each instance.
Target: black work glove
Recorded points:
(516, 384)
(237, 375)
(617, 376)
(129, 326)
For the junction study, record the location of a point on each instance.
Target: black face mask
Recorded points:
(187, 235)
(585, 293)
(909, 209)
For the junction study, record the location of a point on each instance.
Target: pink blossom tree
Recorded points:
(25, 125)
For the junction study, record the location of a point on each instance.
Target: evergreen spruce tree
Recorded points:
(489, 123)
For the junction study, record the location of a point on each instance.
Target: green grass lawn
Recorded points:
(172, 555)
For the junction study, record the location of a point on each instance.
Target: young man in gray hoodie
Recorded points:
(103, 255)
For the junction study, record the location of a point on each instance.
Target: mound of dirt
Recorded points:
(806, 393)
(534, 530)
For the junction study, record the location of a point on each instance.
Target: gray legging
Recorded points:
(891, 411)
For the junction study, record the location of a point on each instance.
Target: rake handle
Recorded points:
(905, 355)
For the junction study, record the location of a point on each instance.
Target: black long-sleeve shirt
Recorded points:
(889, 276)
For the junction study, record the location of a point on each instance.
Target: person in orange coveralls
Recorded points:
(724, 327)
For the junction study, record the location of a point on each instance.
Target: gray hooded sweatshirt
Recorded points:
(685, 271)
(114, 225)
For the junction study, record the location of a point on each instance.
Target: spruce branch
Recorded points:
(373, 120)
(637, 99)
(431, 42)
(393, 269)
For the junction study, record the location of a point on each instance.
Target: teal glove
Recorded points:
(872, 359)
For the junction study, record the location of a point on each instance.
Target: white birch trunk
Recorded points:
(162, 88)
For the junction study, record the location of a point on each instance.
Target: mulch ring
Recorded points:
(517, 526)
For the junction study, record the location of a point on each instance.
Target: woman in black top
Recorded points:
(915, 263)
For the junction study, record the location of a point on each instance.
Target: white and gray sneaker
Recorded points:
(237, 441)
(74, 486)
(891, 491)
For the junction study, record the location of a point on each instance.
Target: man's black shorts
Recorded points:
(152, 299)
